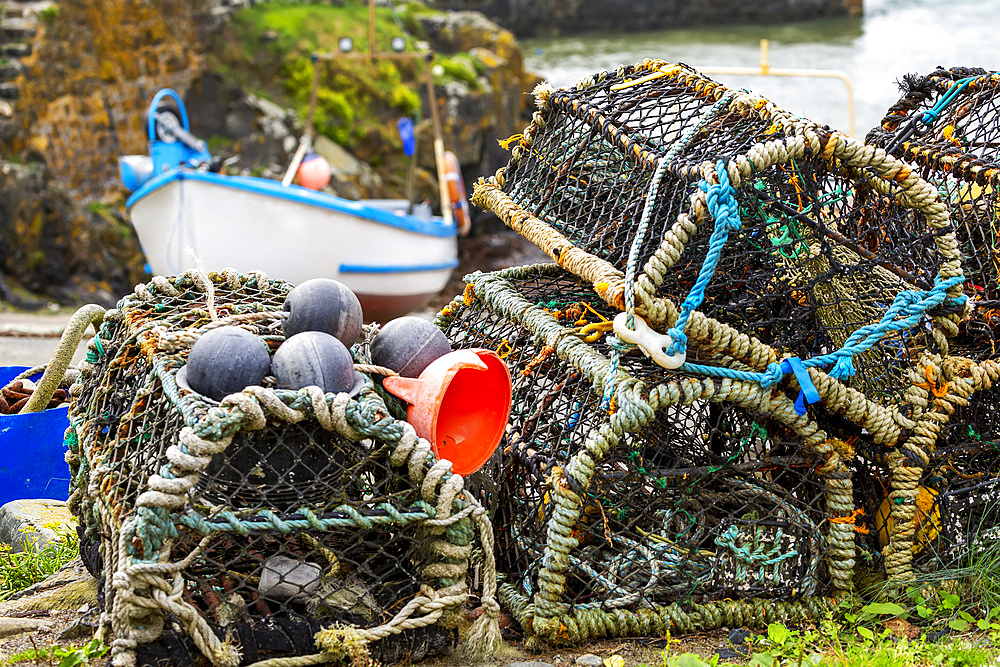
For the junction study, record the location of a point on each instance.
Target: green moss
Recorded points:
(460, 67)
(267, 49)
(303, 27)
(409, 15)
(216, 144)
(49, 14)
(98, 208)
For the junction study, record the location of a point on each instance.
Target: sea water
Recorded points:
(893, 38)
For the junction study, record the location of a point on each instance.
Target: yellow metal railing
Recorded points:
(765, 69)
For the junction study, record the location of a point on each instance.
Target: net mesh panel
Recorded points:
(307, 528)
(824, 244)
(958, 499)
(704, 501)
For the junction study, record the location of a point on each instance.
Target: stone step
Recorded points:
(10, 69)
(32, 524)
(18, 29)
(25, 8)
(8, 128)
(9, 91)
(15, 50)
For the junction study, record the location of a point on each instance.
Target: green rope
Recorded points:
(227, 521)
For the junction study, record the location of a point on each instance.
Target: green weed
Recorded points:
(22, 569)
(267, 49)
(69, 656)
(49, 14)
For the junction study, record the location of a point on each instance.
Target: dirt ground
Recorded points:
(69, 595)
(638, 651)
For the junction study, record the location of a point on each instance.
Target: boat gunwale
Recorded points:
(296, 194)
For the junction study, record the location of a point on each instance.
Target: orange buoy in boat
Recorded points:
(314, 172)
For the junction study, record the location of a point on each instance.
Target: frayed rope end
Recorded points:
(484, 637)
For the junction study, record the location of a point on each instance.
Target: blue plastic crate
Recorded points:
(32, 463)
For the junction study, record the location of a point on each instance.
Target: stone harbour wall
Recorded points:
(76, 79)
(94, 66)
(528, 18)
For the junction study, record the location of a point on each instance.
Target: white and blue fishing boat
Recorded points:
(394, 256)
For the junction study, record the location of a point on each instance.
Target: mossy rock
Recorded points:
(33, 524)
(67, 589)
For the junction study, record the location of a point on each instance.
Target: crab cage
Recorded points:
(955, 508)
(688, 503)
(274, 524)
(947, 124)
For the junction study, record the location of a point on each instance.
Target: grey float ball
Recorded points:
(408, 345)
(326, 305)
(225, 361)
(313, 358)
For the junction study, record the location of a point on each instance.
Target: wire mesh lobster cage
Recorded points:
(735, 241)
(688, 503)
(745, 234)
(231, 533)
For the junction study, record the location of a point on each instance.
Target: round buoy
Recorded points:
(225, 361)
(408, 345)
(326, 305)
(314, 172)
(314, 358)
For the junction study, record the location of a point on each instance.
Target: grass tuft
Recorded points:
(18, 570)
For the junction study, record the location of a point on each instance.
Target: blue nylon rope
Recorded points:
(724, 208)
(910, 304)
(932, 114)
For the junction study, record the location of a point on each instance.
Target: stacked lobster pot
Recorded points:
(731, 331)
(947, 123)
(270, 524)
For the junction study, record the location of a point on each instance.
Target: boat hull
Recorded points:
(394, 262)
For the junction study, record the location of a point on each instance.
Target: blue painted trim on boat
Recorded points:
(401, 268)
(299, 195)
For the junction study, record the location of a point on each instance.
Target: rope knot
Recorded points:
(679, 343)
(772, 375)
(490, 606)
(777, 370)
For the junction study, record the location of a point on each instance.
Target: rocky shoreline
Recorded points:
(78, 105)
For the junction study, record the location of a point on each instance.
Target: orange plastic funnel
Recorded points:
(460, 404)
